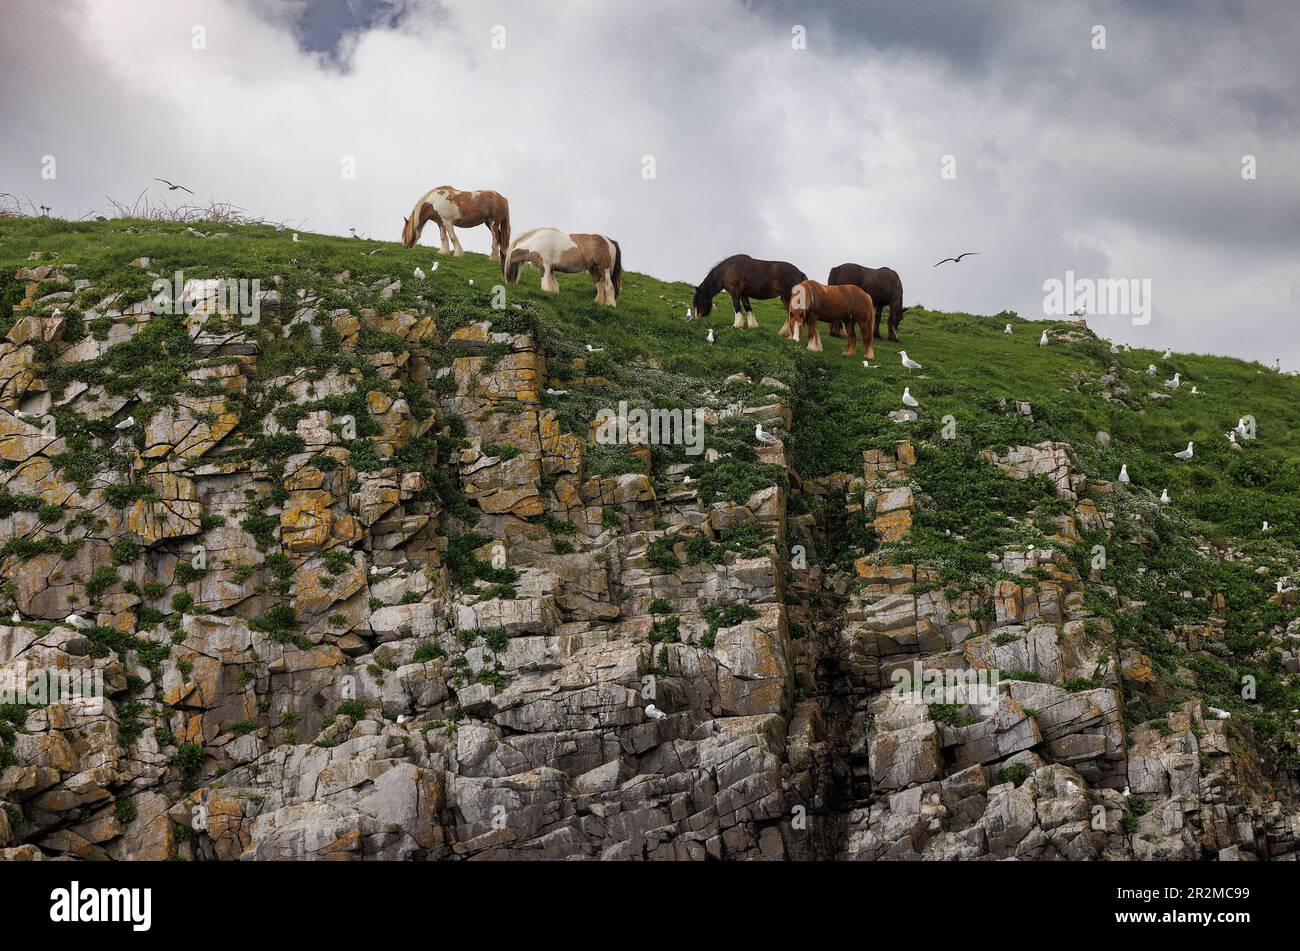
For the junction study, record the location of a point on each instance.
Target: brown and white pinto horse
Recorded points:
(744, 277)
(834, 303)
(448, 209)
(550, 250)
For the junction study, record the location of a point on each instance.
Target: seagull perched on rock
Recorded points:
(908, 363)
(1007, 329)
(28, 417)
(709, 338)
(1282, 588)
(1185, 454)
(763, 436)
(402, 718)
(1164, 496)
(1042, 341)
(377, 572)
(80, 621)
(1123, 473)
(551, 392)
(18, 618)
(419, 274)
(1175, 383)
(591, 349)
(908, 399)
(1078, 312)
(126, 423)
(1126, 793)
(654, 713)
(1219, 714)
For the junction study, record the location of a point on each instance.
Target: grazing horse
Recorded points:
(882, 283)
(744, 277)
(847, 304)
(550, 250)
(449, 209)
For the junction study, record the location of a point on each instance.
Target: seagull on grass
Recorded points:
(1175, 383)
(591, 349)
(908, 399)
(419, 274)
(1007, 329)
(1123, 473)
(1042, 341)
(1185, 454)
(908, 363)
(709, 338)
(1164, 496)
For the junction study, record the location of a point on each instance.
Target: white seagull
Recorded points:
(419, 274)
(1241, 426)
(1265, 528)
(557, 392)
(1185, 454)
(1232, 437)
(1219, 714)
(689, 315)
(1006, 329)
(1151, 369)
(1042, 341)
(1114, 348)
(1164, 496)
(377, 572)
(908, 362)
(18, 618)
(870, 366)
(1078, 312)
(654, 713)
(709, 338)
(1175, 383)
(295, 236)
(1277, 364)
(1194, 390)
(762, 435)
(591, 349)
(1167, 354)
(1123, 473)
(126, 423)
(1282, 588)
(434, 266)
(80, 621)
(908, 399)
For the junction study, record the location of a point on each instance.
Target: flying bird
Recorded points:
(1185, 454)
(1174, 383)
(763, 436)
(957, 259)
(908, 363)
(1123, 473)
(908, 399)
(654, 713)
(171, 187)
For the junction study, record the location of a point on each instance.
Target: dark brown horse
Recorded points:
(744, 277)
(845, 304)
(884, 286)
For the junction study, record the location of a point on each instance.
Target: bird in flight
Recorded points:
(171, 187)
(957, 259)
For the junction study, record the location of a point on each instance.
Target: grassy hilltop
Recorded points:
(1164, 561)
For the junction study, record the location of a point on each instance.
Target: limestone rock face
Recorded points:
(387, 601)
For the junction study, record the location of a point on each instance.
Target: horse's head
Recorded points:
(702, 302)
(411, 228)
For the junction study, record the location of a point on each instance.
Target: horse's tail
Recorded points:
(511, 268)
(503, 233)
(616, 275)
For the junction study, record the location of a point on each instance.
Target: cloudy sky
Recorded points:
(895, 132)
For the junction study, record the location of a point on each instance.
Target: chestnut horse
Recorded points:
(550, 250)
(883, 285)
(847, 304)
(744, 277)
(448, 208)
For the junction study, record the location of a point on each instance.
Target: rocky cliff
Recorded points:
(359, 580)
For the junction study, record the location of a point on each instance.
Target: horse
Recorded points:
(550, 250)
(449, 208)
(744, 277)
(881, 283)
(847, 304)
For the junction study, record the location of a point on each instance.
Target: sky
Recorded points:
(1155, 143)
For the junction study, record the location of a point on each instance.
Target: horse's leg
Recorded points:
(735, 307)
(598, 278)
(751, 322)
(442, 239)
(868, 344)
(460, 252)
(814, 338)
(852, 348)
(549, 283)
